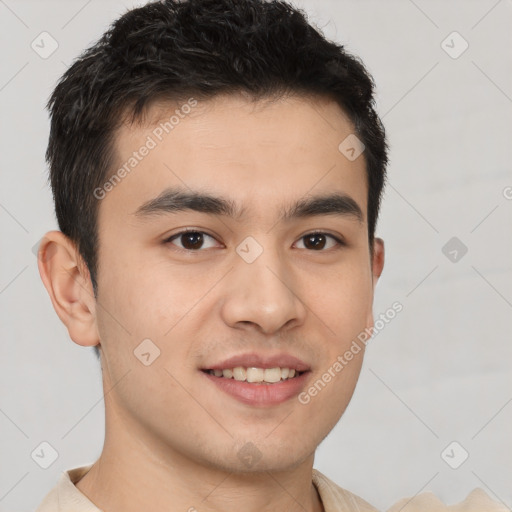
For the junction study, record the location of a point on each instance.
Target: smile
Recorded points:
(256, 375)
(258, 393)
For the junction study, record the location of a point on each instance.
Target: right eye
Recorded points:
(190, 240)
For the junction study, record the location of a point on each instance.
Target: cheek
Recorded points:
(341, 299)
(142, 323)
(147, 297)
(153, 302)
(330, 392)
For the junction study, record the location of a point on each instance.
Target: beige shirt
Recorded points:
(65, 497)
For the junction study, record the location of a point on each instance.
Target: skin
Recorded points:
(172, 438)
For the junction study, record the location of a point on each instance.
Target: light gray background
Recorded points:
(439, 372)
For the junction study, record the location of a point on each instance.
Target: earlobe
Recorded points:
(69, 286)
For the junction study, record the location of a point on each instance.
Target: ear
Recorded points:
(68, 283)
(377, 267)
(377, 260)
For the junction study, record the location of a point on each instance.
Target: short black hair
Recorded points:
(172, 50)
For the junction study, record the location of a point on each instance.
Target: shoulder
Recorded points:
(476, 501)
(334, 498)
(65, 497)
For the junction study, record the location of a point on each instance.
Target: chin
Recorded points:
(261, 457)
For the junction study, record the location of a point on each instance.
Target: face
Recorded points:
(271, 269)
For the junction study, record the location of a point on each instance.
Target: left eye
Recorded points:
(319, 241)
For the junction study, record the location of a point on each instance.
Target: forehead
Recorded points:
(261, 152)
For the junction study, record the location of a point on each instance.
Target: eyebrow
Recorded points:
(175, 200)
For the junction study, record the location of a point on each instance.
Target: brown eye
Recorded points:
(192, 240)
(319, 241)
(314, 241)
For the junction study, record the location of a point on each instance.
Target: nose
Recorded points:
(263, 295)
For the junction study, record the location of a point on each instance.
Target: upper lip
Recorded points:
(255, 360)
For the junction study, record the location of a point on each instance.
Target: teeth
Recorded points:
(272, 374)
(255, 374)
(239, 373)
(268, 375)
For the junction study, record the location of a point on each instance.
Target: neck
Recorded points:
(134, 472)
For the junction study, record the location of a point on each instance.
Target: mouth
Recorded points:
(259, 380)
(256, 375)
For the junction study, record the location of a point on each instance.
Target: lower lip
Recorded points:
(260, 394)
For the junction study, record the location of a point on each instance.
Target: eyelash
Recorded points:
(338, 240)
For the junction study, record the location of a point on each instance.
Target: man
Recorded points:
(217, 170)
